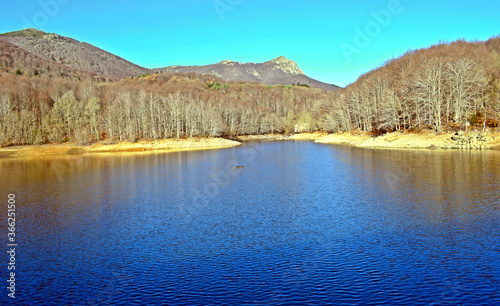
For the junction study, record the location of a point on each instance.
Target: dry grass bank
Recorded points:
(422, 140)
(125, 146)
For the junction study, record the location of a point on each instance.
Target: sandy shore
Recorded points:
(100, 147)
(422, 140)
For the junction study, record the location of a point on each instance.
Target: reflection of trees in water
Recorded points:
(440, 184)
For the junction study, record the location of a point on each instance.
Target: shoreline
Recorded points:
(472, 140)
(393, 140)
(274, 137)
(159, 145)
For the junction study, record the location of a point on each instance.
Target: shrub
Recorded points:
(213, 85)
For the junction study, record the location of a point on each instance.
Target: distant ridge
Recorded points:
(84, 57)
(277, 71)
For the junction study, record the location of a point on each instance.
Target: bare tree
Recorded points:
(92, 111)
(430, 92)
(466, 82)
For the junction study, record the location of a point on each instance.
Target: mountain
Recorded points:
(16, 60)
(277, 71)
(72, 53)
(85, 58)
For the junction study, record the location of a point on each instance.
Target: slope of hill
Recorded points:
(449, 86)
(277, 71)
(16, 60)
(72, 53)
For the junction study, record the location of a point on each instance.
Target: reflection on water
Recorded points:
(443, 183)
(264, 223)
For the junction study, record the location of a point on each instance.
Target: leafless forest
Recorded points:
(41, 110)
(446, 87)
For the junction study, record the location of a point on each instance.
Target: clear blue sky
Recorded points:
(319, 35)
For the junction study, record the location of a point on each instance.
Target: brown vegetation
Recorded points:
(52, 110)
(448, 86)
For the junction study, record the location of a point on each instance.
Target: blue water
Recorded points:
(274, 223)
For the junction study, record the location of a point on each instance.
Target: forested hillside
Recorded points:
(450, 86)
(36, 110)
(447, 86)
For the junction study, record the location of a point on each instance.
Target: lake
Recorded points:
(265, 223)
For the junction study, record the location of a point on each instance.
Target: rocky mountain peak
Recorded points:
(274, 72)
(227, 62)
(286, 65)
(51, 36)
